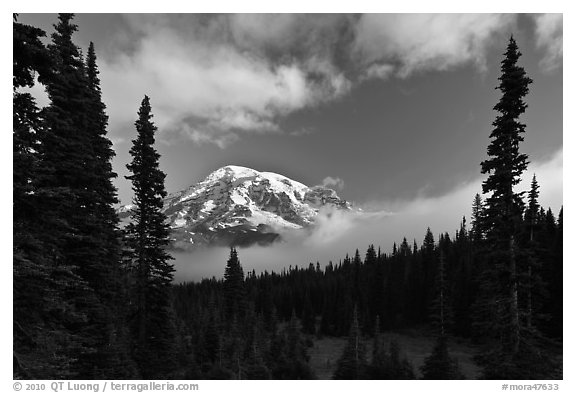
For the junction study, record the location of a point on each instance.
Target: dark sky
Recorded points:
(386, 108)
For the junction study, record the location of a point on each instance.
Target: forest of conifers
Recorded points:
(93, 301)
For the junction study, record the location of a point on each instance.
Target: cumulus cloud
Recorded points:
(204, 87)
(549, 37)
(333, 182)
(423, 42)
(213, 78)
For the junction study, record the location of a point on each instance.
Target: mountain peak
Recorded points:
(236, 205)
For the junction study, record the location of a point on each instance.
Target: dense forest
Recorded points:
(93, 301)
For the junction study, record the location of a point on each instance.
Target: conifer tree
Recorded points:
(440, 365)
(530, 218)
(66, 191)
(504, 206)
(531, 215)
(516, 352)
(400, 367)
(380, 364)
(234, 291)
(440, 305)
(404, 248)
(556, 280)
(104, 273)
(147, 236)
(353, 364)
(30, 58)
(43, 343)
(212, 339)
(255, 366)
(477, 209)
(287, 354)
(428, 263)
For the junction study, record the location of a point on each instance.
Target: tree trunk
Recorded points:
(515, 320)
(529, 301)
(441, 293)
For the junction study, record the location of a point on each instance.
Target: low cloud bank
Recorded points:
(337, 233)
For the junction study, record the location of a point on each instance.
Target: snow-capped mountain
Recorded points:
(241, 206)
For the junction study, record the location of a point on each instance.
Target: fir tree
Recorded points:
(440, 310)
(477, 214)
(66, 194)
(428, 263)
(530, 219)
(400, 367)
(30, 58)
(255, 366)
(504, 206)
(147, 236)
(288, 353)
(353, 364)
(104, 270)
(440, 365)
(380, 364)
(404, 248)
(44, 345)
(234, 291)
(518, 353)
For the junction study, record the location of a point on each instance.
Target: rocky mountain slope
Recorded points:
(240, 206)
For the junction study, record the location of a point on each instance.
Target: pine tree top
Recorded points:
(92, 68)
(62, 43)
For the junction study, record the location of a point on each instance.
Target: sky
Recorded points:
(394, 111)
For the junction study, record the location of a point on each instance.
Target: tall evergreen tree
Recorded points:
(517, 352)
(531, 215)
(504, 206)
(530, 218)
(477, 214)
(66, 194)
(106, 275)
(234, 291)
(43, 343)
(147, 236)
(428, 264)
(556, 280)
(30, 58)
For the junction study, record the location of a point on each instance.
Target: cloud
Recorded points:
(549, 174)
(382, 223)
(424, 42)
(214, 78)
(205, 87)
(333, 182)
(37, 91)
(302, 35)
(549, 37)
(379, 71)
(303, 131)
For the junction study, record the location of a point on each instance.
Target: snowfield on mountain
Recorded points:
(240, 206)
